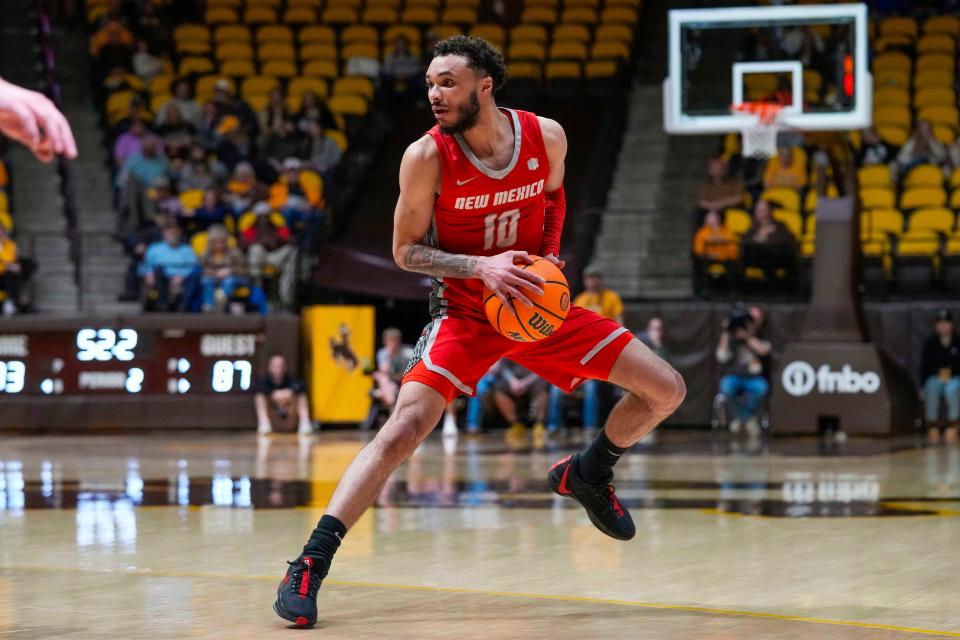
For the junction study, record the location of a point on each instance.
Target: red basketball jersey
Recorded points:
(483, 212)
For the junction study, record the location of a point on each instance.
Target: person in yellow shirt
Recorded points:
(715, 241)
(783, 170)
(598, 298)
(9, 272)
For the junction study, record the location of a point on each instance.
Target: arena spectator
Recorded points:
(921, 148)
(231, 149)
(160, 198)
(714, 241)
(141, 169)
(873, 150)
(313, 107)
(224, 269)
(177, 134)
(282, 144)
(323, 152)
(296, 193)
(513, 384)
(116, 49)
(769, 246)
(243, 189)
(269, 245)
(392, 359)
(152, 29)
(213, 211)
(767, 230)
(170, 270)
(745, 354)
(228, 104)
(940, 377)
(129, 142)
(274, 113)
(197, 171)
(474, 418)
(146, 65)
(135, 245)
(183, 100)
(399, 73)
(719, 190)
(652, 336)
(10, 272)
(783, 170)
(281, 400)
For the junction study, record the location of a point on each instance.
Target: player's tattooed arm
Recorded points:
(433, 262)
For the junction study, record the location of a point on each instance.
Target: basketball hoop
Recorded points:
(760, 136)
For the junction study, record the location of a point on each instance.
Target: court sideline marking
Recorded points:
(499, 594)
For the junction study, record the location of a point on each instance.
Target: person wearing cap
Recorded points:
(228, 104)
(231, 149)
(940, 375)
(297, 193)
(269, 244)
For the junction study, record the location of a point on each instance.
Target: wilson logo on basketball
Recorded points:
(539, 324)
(564, 302)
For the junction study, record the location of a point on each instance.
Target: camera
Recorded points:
(739, 318)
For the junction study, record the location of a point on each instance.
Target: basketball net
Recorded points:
(759, 138)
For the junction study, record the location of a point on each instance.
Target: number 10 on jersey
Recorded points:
(500, 229)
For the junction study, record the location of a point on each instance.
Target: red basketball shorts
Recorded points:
(454, 352)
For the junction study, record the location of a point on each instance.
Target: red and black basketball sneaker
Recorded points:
(599, 500)
(297, 593)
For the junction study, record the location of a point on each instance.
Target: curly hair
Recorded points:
(480, 55)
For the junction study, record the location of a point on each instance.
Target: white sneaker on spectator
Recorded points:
(753, 427)
(9, 307)
(264, 428)
(735, 425)
(305, 428)
(449, 425)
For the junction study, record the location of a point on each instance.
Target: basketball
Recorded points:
(529, 324)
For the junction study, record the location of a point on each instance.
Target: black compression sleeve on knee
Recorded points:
(595, 463)
(325, 539)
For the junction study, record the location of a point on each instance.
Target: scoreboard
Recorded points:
(133, 363)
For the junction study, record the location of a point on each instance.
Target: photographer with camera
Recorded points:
(747, 356)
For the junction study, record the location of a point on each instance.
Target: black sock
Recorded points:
(325, 540)
(595, 464)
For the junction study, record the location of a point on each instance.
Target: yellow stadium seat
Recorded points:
(788, 199)
(893, 60)
(459, 15)
(538, 15)
(276, 51)
(932, 96)
(193, 65)
(562, 70)
(352, 105)
(274, 33)
(891, 78)
(233, 51)
(945, 24)
(199, 243)
(877, 198)
(339, 137)
(954, 180)
(932, 78)
(379, 15)
(258, 102)
(360, 50)
(344, 4)
(492, 33)
(810, 226)
(269, 4)
(945, 133)
(923, 197)
(568, 51)
(579, 15)
(586, 4)
(220, 15)
(940, 114)
(204, 85)
(231, 4)
(193, 48)
(526, 51)
(229, 33)
(442, 31)
(618, 32)
(790, 219)
(937, 62)
(359, 33)
(259, 15)
(952, 247)
(317, 34)
(738, 221)
(279, 68)
(899, 25)
(924, 175)
(339, 15)
(245, 221)
(891, 96)
(633, 4)
(321, 69)
(237, 68)
(919, 242)
(619, 15)
(571, 33)
(528, 33)
(609, 50)
(892, 116)
(408, 31)
(419, 15)
(319, 51)
(389, 4)
(354, 85)
(600, 69)
(470, 4)
(549, 4)
(161, 84)
(884, 220)
(812, 80)
(526, 71)
(937, 219)
(191, 199)
(883, 43)
(118, 104)
(258, 85)
(874, 244)
(895, 135)
(191, 31)
(937, 43)
(299, 15)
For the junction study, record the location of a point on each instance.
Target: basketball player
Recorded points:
(479, 193)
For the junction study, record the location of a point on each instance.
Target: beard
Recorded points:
(467, 118)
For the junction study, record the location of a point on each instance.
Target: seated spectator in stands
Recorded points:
(313, 107)
(281, 401)
(135, 246)
(392, 359)
(183, 100)
(224, 269)
(399, 72)
(277, 146)
(274, 113)
(231, 148)
(297, 193)
(784, 171)
(269, 245)
(719, 190)
(10, 272)
(940, 377)
(746, 354)
(765, 229)
(146, 65)
(129, 142)
(170, 268)
(177, 133)
(140, 170)
(229, 104)
(873, 150)
(513, 384)
(161, 199)
(197, 172)
(921, 148)
(116, 50)
(323, 151)
(243, 190)
(714, 241)
(110, 33)
(209, 136)
(362, 66)
(652, 336)
(212, 212)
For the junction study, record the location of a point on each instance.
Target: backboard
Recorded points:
(811, 59)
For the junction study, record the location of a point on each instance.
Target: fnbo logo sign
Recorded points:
(799, 378)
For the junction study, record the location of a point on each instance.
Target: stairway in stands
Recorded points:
(39, 222)
(103, 262)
